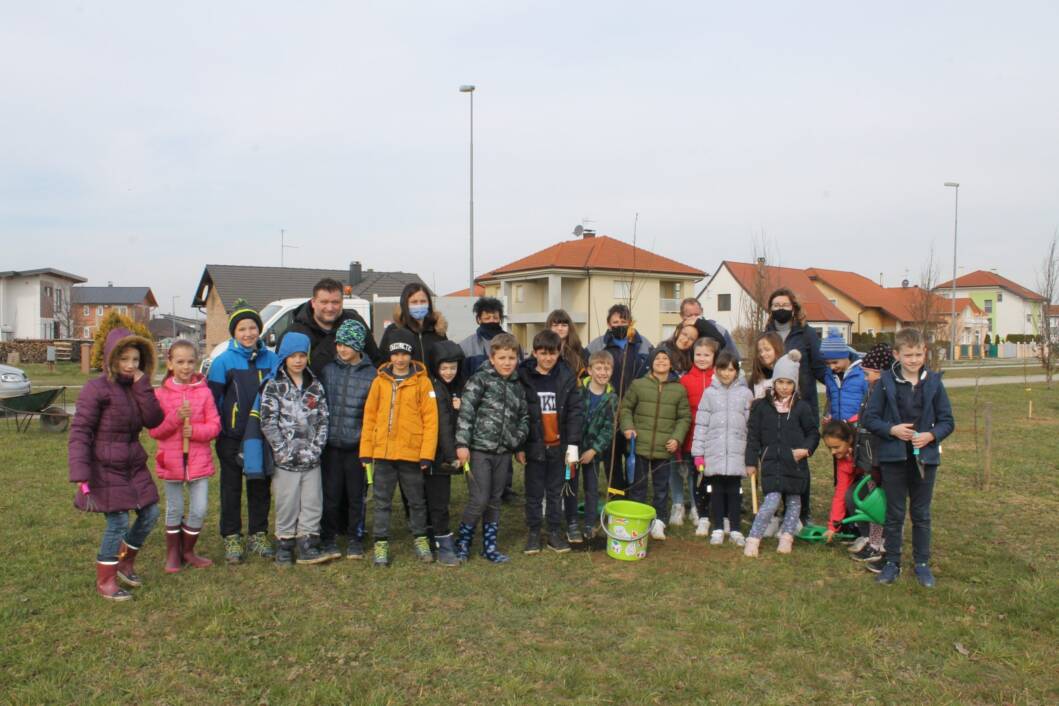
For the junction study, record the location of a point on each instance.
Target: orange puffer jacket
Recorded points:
(400, 418)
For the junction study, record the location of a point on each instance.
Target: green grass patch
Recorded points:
(690, 624)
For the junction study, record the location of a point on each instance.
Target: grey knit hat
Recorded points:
(788, 367)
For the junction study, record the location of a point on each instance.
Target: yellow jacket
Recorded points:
(400, 419)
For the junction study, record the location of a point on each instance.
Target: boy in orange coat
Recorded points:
(400, 436)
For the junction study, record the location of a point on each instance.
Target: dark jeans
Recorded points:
(901, 481)
(544, 480)
(589, 474)
(386, 478)
(725, 501)
(658, 470)
(344, 482)
(805, 500)
(117, 529)
(258, 492)
(439, 493)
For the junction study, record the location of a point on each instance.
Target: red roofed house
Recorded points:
(479, 291)
(872, 308)
(729, 296)
(1009, 307)
(586, 277)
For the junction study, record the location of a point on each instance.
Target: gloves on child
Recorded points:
(700, 464)
(572, 456)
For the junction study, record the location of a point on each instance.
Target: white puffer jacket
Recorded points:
(720, 427)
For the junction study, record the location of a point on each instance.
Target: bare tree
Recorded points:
(753, 307)
(1047, 285)
(926, 306)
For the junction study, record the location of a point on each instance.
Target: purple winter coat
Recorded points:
(104, 448)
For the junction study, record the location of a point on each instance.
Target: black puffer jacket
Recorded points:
(771, 440)
(447, 394)
(568, 406)
(346, 387)
(322, 350)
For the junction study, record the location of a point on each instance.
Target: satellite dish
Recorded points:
(578, 230)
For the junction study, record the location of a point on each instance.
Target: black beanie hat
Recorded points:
(401, 341)
(240, 314)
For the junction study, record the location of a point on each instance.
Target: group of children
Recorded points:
(316, 446)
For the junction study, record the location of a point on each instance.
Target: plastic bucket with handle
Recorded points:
(626, 524)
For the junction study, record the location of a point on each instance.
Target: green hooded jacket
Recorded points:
(658, 412)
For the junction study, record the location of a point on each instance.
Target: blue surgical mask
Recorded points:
(419, 311)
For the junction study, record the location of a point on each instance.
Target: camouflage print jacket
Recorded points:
(294, 421)
(494, 416)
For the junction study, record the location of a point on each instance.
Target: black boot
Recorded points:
(285, 552)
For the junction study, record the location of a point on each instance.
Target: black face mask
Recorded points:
(619, 331)
(782, 316)
(491, 329)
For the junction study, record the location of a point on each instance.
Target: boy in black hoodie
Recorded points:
(556, 415)
(447, 362)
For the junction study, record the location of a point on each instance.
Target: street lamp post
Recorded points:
(172, 307)
(469, 90)
(955, 223)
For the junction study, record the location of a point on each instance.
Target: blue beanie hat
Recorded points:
(353, 334)
(833, 347)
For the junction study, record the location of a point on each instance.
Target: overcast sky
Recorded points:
(142, 140)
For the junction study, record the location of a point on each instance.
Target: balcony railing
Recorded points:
(669, 306)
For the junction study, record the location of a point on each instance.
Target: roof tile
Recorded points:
(596, 253)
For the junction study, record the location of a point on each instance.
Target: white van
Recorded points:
(277, 317)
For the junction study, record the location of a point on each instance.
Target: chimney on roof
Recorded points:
(904, 284)
(761, 262)
(880, 280)
(588, 233)
(355, 273)
(109, 283)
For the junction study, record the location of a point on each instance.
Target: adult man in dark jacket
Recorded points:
(320, 317)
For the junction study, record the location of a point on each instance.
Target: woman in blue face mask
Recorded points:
(416, 314)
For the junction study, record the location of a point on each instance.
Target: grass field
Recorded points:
(690, 624)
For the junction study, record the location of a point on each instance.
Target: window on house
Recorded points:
(86, 310)
(667, 332)
(85, 333)
(123, 310)
(724, 302)
(999, 297)
(622, 289)
(989, 306)
(819, 331)
(99, 311)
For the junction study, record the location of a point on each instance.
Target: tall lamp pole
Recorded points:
(955, 185)
(172, 306)
(469, 90)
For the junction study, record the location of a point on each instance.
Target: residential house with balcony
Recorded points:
(36, 304)
(91, 304)
(737, 290)
(586, 276)
(1008, 306)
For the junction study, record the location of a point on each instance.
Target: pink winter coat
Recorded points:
(205, 425)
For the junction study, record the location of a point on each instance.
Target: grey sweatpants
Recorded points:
(387, 474)
(299, 502)
(768, 509)
(485, 486)
(198, 493)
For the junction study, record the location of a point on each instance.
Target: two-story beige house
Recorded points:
(586, 276)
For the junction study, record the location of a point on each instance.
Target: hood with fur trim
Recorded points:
(120, 338)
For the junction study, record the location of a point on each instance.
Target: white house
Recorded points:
(729, 296)
(36, 304)
(1010, 307)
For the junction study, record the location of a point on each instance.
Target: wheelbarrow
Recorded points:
(53, 418)
(869, 506)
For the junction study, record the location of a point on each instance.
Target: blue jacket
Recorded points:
(845, 396)
(347, 388)
(628, 364)
(881, 414)
(234, 378)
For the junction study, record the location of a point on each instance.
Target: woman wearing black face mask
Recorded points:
(786, 319)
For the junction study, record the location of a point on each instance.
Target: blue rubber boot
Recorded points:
(447, 551)
(464, 536)
(490, 530)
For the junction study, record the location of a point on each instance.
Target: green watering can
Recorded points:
(871, 507)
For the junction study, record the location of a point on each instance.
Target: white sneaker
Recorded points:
(858, 544)
(737, 539)
(658, 530)
(773, 527)
(717, 537)
(693, 514)
(702, 527)
(676, 515)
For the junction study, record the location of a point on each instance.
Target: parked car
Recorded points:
(13, 382)
(277, 318)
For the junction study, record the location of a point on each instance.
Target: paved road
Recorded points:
(997, 380)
